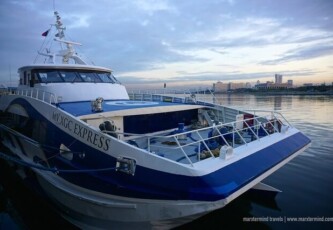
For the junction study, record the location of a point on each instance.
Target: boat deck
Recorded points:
(192, 144)
(124, 107)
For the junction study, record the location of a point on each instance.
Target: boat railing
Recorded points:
(37, 94)
(173, 95)
(196, 144)
(274, 113)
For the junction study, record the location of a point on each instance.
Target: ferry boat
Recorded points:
(106, 158)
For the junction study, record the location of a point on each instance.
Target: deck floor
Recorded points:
(84, 107)
(194, 149)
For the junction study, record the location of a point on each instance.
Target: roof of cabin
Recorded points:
(63, 67)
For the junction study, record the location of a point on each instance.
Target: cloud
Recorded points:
(152, 6)
(303, 53)
(203, 37)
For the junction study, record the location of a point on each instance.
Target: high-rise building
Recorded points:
(278, 79)
(290, 82)
(233, 86)
(221, 87)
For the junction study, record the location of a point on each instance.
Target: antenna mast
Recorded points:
(66, 53)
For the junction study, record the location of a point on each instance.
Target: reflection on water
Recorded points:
(306, 181)
(21, 208)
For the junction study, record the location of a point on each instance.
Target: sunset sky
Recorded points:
(187, 43)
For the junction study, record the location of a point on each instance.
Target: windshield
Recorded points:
(56, 76)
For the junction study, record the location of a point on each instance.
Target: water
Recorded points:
(306, 182)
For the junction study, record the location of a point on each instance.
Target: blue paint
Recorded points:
(84, 107)
(152, 184)
(149, 123)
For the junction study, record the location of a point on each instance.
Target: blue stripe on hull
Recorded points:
(242, 172)
(152, 184)
(225, 181)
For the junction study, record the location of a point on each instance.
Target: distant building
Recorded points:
(248, 85)
(308, 84)
(220, 87)
(290, 83)
(261, 86)
(277, 85)
(278, 79)
(271, 85)
(233, 86)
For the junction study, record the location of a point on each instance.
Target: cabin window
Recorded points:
(69, 76)
(90, 77)
(114, 79)
(105, 77)
(29, 80)
(50, 76)
(25, 80)
(34, 77)
(54, 76)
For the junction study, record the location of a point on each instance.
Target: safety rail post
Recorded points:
(273, 125)
(181, 148)
(260, 124)
(199, 153)
(203, 140)
(148, 148)
(234, 126)
(257, 137)
(285, 119)
(221, 135)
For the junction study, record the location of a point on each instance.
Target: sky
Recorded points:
(183, 43)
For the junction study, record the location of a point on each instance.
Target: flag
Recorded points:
(45, 33)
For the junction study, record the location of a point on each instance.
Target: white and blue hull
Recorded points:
(160, 190)
(93, 210)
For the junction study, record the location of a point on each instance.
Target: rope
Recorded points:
(54, 170)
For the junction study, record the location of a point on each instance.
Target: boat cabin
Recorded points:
(71, 83)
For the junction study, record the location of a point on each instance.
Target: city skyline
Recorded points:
(181, 43)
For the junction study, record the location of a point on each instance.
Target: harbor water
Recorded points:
(306, 200)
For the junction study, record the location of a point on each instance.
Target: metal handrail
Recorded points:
(37, 94)
(181, 94)
(254, 129)
(257, 124)
(253, 111)
(234, 131)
